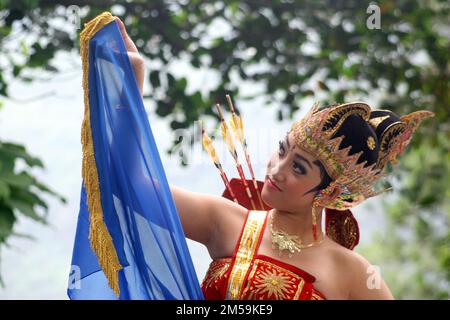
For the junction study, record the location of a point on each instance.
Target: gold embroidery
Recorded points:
(268, 280)
(375, 122)
(315, 296)
(343, 231)
(244, 255)
(216, 270)
(371, 143)
(274, 284)
(341, 113)
(389, 138)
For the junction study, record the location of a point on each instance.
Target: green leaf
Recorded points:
(4, 190)
(154, 79)
(22, 179)
(19, 151)
(181, 84)
(7, 220)
(26, 209)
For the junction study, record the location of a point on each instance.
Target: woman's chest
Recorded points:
(317, 262)
(267, 271)
(264, 279)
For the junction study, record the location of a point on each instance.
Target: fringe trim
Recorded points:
(100, 239)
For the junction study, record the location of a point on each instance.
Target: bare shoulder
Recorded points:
(363, 279)
(225, 209)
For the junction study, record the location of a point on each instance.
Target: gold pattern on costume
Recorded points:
(344, 233)
(244, 255)
(315, 296)
(273, 284)
(269, 281)
(375, 122)
(217, 270)
(388, 142)
(341, 113)
(266, 280)
(371, 143)
(349, 226)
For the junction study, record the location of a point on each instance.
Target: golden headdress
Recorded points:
(381, 135)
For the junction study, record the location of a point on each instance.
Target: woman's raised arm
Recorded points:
(201, 214)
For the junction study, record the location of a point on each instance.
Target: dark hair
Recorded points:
(325, 178)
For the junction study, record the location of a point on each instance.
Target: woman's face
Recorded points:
(291, 174)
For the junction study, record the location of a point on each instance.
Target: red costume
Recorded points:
(251, 276)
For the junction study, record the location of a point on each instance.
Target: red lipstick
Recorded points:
(272, 184)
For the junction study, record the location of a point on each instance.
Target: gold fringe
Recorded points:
(100, 239)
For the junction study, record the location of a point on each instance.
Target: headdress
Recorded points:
(319, 134)
(354, 144)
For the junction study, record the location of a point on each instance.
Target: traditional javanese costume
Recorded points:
(251, 276)
(129, 242)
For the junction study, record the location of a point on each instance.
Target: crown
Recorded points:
(316, 133)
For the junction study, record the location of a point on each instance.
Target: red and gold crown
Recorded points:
(316, 134)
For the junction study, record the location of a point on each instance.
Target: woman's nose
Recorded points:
(278, 171)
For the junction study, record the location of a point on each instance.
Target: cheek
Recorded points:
(295, 188)
(292, 196)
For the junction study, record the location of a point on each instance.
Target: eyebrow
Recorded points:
(297, 155)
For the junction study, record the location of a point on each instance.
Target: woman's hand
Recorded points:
(137, 61)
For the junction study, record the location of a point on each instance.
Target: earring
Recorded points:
(314, 220)
(317, 203)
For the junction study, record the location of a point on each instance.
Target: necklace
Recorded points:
(284, 241)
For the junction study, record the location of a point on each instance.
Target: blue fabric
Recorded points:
(138, 208)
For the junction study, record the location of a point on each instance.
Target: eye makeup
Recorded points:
(298, 168)
(297, 155)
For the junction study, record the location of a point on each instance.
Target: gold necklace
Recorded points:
(283, 241)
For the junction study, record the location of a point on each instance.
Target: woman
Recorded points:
(330, 159)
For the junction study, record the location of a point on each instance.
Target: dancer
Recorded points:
(330, 159)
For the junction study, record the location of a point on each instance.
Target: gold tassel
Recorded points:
(99, 237)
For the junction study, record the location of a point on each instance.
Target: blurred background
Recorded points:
(275, 58)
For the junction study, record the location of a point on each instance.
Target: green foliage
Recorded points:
(298, 50)
(414, 249)
(19, 191)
